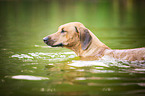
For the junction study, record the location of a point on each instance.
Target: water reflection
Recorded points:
(47, 90)
(28, 77)
(46, 56)
(97, 66)
(87, 63)
(71, 74)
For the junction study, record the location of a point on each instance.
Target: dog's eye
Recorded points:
(62, 31)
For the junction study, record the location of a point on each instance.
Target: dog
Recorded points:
(85, 44)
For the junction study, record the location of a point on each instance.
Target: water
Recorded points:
(29, 67)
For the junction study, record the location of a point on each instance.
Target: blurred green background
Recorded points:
(30, 20)
(23, 24)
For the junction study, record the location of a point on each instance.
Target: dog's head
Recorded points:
(69, 35)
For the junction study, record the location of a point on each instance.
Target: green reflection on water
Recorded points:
(117, 23)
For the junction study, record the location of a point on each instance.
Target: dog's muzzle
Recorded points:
(50, 42)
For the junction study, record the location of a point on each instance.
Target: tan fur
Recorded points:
(70, 39)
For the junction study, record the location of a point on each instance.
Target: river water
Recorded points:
(29, 67)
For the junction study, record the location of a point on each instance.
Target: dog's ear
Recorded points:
(85, 38)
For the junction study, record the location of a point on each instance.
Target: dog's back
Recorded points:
(128, 54)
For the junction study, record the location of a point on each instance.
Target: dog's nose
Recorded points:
(45, 39)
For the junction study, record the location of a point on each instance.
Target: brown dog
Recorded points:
(84, 43)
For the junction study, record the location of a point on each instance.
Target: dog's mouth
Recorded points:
(58, 45)
(51, 43)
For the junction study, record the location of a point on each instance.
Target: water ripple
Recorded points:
(46, 56)
(28, 77)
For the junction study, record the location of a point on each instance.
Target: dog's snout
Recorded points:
(45, 39)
